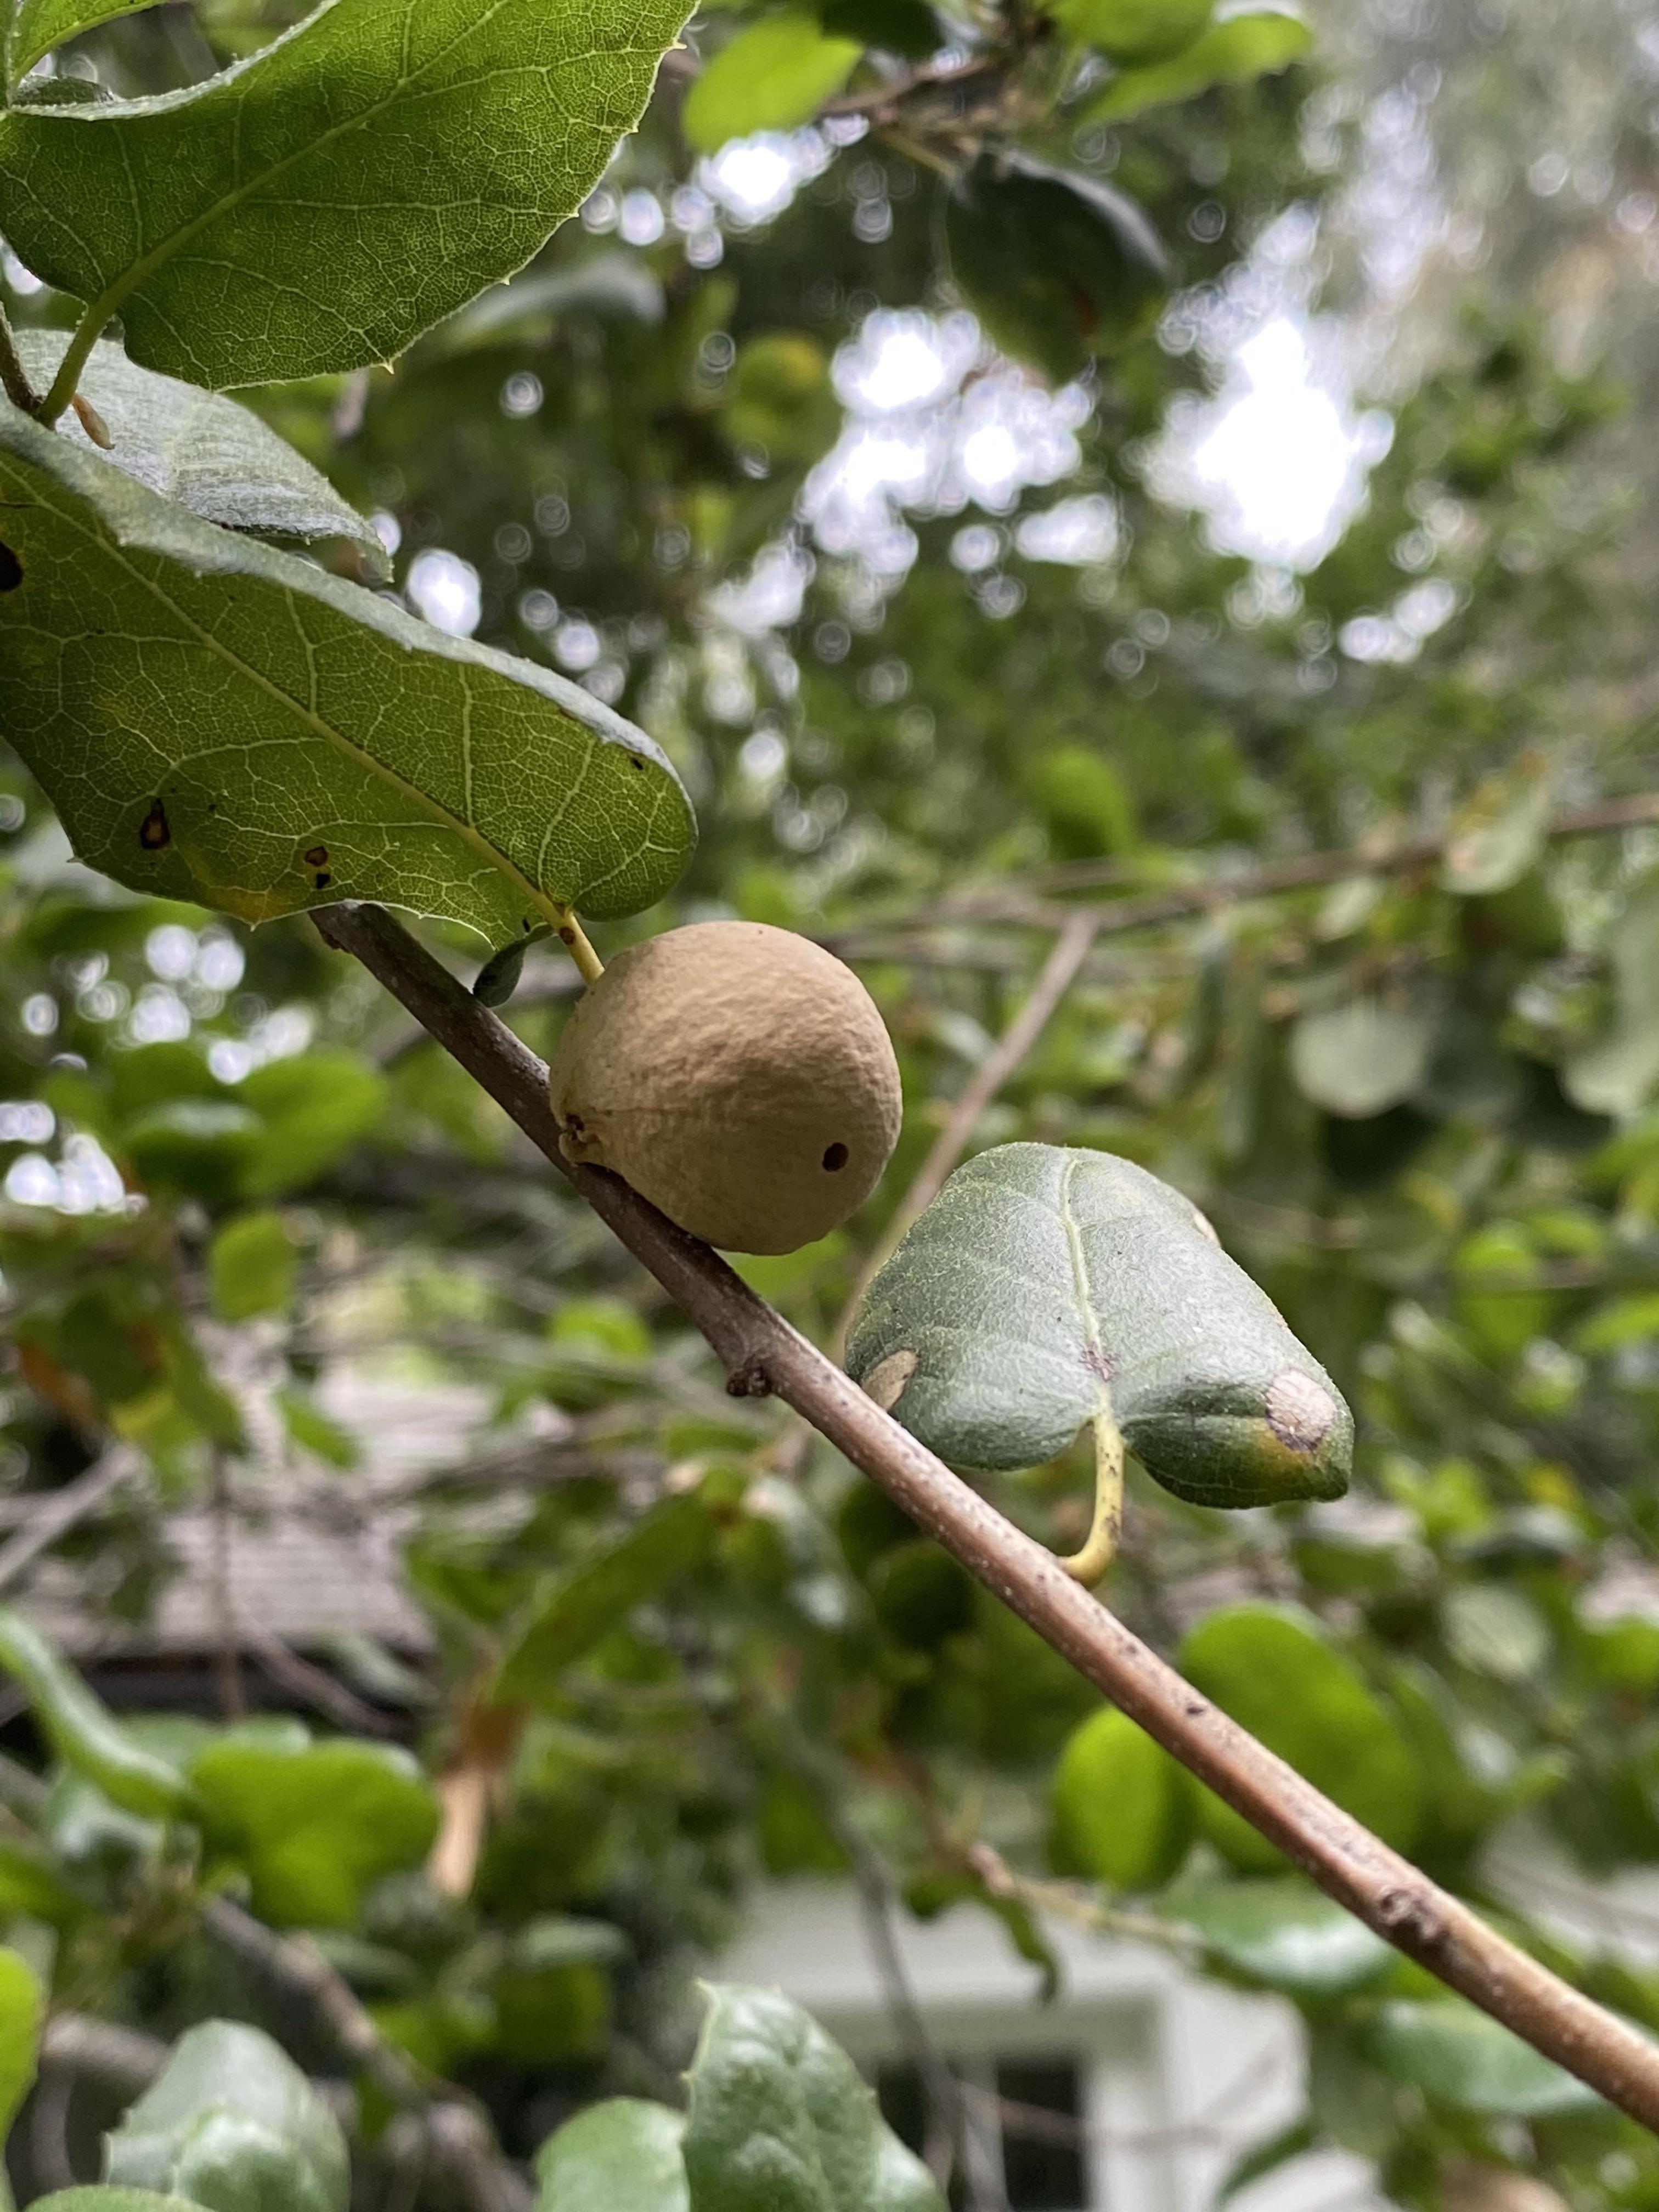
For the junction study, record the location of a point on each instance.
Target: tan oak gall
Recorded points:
(738, 1075)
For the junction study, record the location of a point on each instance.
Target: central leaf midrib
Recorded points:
(554, 909)
(1081, 1286)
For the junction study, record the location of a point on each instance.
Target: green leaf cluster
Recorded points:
(778, 2117)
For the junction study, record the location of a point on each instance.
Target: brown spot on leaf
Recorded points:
(155, 830)
(317, 856)
(11, 570)
(1299, 1410)
(889, 1378)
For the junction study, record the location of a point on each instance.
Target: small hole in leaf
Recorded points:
(11, 570)
(835, 1158)
(324, 879)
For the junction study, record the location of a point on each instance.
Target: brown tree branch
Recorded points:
(762, 1353)
(13, 377)
(313, 1685)
(55, 1516)
(1058, 973)
(1306, 871)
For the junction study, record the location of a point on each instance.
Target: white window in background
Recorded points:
(1027, 2134)
(1135, 2091)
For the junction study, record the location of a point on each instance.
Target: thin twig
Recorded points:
(122, 2057)
(313, 1685)
(946, 2111)
(458, 2134)
(226, 1659)
(49, 2119)
(1309, 872)
(13, 377)
(65, 1509)
(763, 1353)
(1058, 973)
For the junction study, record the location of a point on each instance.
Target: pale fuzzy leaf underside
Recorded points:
(220, 721)
(202, 450)
(1046, 1286)
(316, 207)
(232, 2121)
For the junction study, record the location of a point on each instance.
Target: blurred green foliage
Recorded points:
(683, 1648)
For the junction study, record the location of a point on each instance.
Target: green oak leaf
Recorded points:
(1133, 30)
(773, 76)
(35, 27)
(212, 456)
(907, 28)
(622, 2156)
(1125, 1812)
(220, 721)
(1362, 1058)
(1619, 1072)
(1283, 2145)
(1058, 267)
(1462, 2058)
(31, 1883)
(22, 2009)
(616, 287)
(314, 1824)
(1045, 1287)
(82, 1729)
(231, 2123)
(1275, 1670)
(251, 1266)
(1283, 1934)
(1255, 42)
(316, 207)
(1498, 832)
(780, 2120)
(498, 979)
(568, 1615)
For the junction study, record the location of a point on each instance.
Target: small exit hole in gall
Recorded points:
(835, 1158)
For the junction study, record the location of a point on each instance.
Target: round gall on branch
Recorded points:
(738, 1075)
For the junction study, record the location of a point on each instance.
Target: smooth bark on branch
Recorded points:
(763, 1353)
